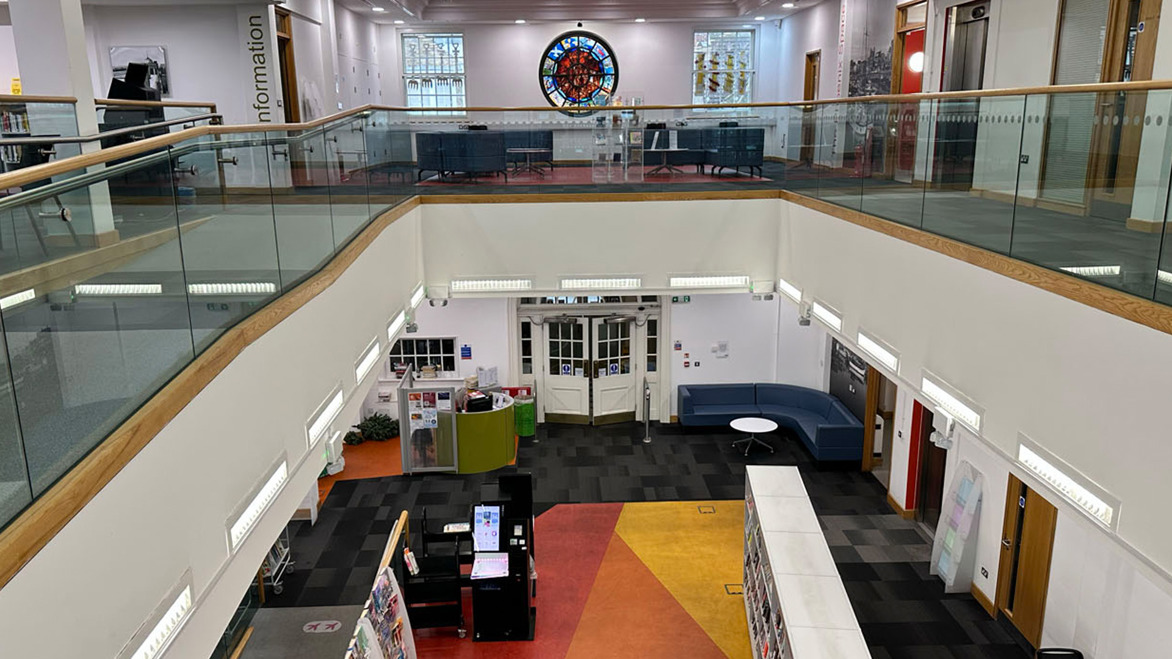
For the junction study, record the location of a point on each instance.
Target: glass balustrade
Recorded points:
(114, 278)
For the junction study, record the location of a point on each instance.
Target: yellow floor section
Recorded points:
(694, 555)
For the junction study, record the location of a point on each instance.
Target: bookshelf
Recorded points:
(795, 603)
(14, 122)
(384, 629)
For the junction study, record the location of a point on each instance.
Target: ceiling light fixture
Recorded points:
(520, 21)
(396, 325)
(399, 21)
(880, 352)
(255, 508)
(169, 621)
(758, 18)
(828, 316)
(329, 410)
(369, 359)
(640, 20)
(937, 391)
(417, 296)
(1094, 270)
(233, 288)
(718, 281)
(377, 9)
(118, 289)
(1049, 469)
(490, 285)
(600, 283)
(788, 5)
(9, 301)
(793, 292)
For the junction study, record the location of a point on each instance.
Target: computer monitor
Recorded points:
(486, 528)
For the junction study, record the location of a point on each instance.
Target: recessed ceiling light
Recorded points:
(377, 9)
(747, 25)
(758, 18)
(399, 22)
(640, 20)
(520, 21)
(788, 5)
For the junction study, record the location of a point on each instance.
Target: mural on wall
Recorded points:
(871, 39)
(155, 58)
(848, 378)
(579, 69)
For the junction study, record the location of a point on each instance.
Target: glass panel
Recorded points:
(652, 327)
(449, 364)
(603, 330)
(577, 331)
(92, 343)
(346, 159)
(554, 350)
(299, 174)
(526, 330)
(974, 170)
(651, 364)
(839, 154)
(228, 236)
(390, 164)
(554, 330)
(603, 350)
(578, 349)
(893, 187)
(15, 489)
(1103, 219)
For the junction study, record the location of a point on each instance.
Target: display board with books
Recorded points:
(955, 546)
(795, 603)
(383, 631)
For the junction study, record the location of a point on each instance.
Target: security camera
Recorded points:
(411, 328)
(437, 303)
(579, 23)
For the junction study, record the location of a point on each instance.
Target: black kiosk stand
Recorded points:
(503, 577)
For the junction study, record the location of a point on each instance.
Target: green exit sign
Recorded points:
(677, 299)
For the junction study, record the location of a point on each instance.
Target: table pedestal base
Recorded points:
(750, 441)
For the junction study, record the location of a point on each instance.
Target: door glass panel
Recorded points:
(577, 332)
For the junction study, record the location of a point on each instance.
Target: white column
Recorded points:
(51, 51)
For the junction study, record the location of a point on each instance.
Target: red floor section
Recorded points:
(570, 542)
(583, 176)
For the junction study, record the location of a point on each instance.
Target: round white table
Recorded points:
(752, 425)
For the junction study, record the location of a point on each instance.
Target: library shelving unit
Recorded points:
(384, 630)
(795, 603)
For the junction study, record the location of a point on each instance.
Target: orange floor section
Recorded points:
(365, 460)
(631, 614)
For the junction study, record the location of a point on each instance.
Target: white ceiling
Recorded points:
(538, 11)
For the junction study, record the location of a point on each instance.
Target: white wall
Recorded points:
(8, 66)
(811, 29)
(168, 509)
(1077, 380)
(359, 74)
(501, 61)
(203, 50)
(801, 351)
(481, 323)
(749, 326)
(544, 242)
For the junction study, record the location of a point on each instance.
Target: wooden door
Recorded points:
(934, 463)
(1129, 52)
(288, 68)
(809, 113)
(874, 385)
(1023, 574)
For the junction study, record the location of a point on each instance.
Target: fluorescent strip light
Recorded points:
(368, 361)
(490, 285)
(879, 352)
(417, 296)
(159, 637)
(827, 316)
(9, 301)
(1164, 276)
(951, 404)
(1094, 270)
(640, 20)
(1080, 496)
(118, 289)
(233, 288)
(793, 292)
(243, 524)
(318, 426)
(396, 325)
(717, 281)
(601, 283)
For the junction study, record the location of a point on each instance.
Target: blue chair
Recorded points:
(429, 153)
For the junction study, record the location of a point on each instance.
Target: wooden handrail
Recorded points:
(13, 98)
(393, 542)
(41, 172)
(154, 104)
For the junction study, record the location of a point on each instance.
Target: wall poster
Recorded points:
(155, 58)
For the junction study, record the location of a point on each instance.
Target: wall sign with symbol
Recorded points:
(614, 369)
(465, 351)
(566, 369)
(678, 346)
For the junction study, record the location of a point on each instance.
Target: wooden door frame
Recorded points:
(870, 411)
(288, 73)
(1016, 488)
(810, 93)
(810, 88)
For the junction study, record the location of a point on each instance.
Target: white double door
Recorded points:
(591, 370)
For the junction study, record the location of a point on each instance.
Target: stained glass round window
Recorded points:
(579, 69)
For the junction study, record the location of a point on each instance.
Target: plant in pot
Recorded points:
(378, 427)
(353, 438)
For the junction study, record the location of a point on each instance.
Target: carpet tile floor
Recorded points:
(883, 559)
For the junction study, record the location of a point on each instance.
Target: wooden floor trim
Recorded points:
(906, 514)
(37, 525)
(1136, 309)
(243, 642)
(983, 600)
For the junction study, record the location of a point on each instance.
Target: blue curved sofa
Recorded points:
(822, 422)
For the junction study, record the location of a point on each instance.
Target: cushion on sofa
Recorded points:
(741, 410)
